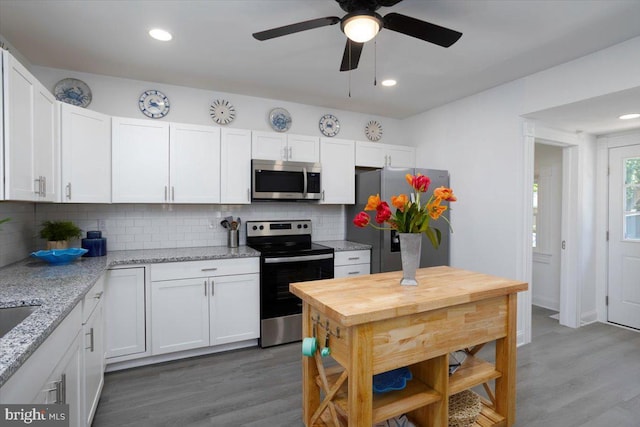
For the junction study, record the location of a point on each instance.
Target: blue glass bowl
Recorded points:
(59, 256)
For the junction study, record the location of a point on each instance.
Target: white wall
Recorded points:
(119, 97)
(545, 285)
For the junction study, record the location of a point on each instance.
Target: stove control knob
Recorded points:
(306, 226)
(299, 226)
(255, 227)
(262, 227)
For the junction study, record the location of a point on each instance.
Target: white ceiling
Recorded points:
(213, 47)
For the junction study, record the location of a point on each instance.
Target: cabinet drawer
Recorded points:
(92, 298)
(209, 268)
(352, 257)
(351, 270)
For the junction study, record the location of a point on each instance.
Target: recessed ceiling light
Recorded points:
(161, 35)
(629, 116)
(389, 82)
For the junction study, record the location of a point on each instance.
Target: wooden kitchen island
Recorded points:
(376, 325)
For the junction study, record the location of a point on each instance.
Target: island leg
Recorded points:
(360, 394)
(506, 364)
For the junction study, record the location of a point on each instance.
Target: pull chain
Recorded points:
(375, 61)
(350, 69)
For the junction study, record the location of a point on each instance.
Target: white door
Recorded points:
(86, 155)
(179, 315)
(338, 160)
(194, 164)
(46, 144)
(268, 146)
(235, 308)
(303, 148)
(140, 161)
(235, 166)
(624, 236)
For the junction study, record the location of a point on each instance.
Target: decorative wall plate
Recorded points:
(154, 104)
(74, 92)
(329, 125)
(373, 130)
(280, 119)
(222, 111)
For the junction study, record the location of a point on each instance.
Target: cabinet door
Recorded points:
(179, 315)
(338, 171)
(194, 164)
(302, 148)
(93, 362)
(370, 154)
(64, 384)
(268, 146)
(140, 161)
(124, 312)
(235, 166)
(235, 308)
(18, 97)
(401, 156)
(46, 144)
(86, 155)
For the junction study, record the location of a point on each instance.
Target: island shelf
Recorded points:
(374, 325)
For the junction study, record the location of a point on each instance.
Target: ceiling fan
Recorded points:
(362, 23)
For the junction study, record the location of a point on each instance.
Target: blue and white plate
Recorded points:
(74, 92)
(59, 256)
(280, 119)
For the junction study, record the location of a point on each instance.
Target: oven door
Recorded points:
(280, 310)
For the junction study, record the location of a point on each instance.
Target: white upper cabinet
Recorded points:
(279, 146)
(194, 164)
(86, 155)
(140, 161)
(235, 166)
(158, 162)
(31, 145)
(376, 155)
(338, 171)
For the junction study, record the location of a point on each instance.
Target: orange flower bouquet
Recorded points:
(411, 216)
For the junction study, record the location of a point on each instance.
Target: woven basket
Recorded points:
(464, 409)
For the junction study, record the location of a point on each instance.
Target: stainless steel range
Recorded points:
(287, 255)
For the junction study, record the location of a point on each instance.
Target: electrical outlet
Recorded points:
(102, 224)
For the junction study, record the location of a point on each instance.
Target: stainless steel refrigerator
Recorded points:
(385, 253)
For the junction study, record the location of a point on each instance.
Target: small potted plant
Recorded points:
(58, 233)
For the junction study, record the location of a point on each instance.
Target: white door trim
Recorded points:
(570, 293)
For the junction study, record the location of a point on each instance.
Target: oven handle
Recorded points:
(281, 260)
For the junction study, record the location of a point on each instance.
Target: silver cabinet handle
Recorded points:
(91, 346)
(290, 153)
(44, 186)
(173, 193)
(248, 194)
(353, 272)
(209, 269)
(385, 159)
(205, 288)
(61, 389)
(353, 258)
(284, 154)
(39, 186)
(166, 189)
(68, 191)
(389, 160)
(322, 195)
(98, 295)
(212, 287)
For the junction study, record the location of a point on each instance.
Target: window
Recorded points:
(632, 199)
(535, 212)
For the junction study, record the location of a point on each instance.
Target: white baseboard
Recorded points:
(548, 303)
(588, 317)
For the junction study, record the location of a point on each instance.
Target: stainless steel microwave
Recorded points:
(282, 180)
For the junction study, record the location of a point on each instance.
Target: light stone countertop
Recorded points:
(57, 290)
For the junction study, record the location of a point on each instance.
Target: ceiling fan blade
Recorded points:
(295, 28)
(426, 31)
(350, 59)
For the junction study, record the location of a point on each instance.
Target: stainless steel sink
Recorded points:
(12, 316)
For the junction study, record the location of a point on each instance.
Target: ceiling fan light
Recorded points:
(160, 34)
(629, 116)
(361, 28)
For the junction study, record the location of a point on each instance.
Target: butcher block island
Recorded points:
(372, 324)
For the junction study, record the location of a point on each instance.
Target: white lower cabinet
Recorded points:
(218, 304)
(93, 359)
(125, 313)
(53, 374)
(352, 263)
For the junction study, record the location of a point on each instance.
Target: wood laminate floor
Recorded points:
(566, 377)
